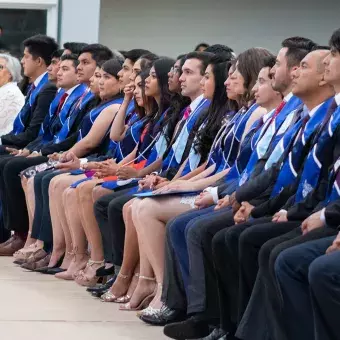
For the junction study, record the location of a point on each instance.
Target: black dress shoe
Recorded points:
(192, 328)
(53, 271)
(46, 270)
(99, 290)
(164, 316)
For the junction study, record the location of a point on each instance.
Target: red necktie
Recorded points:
(61, 103)
(186, 113)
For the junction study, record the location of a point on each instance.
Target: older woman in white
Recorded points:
(11, 98)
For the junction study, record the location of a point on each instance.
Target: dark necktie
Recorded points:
(61, 103)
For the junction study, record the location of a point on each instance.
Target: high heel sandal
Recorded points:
(144, 303)
(109, 296)
(150, 310)
(126, 298)
(83, 280)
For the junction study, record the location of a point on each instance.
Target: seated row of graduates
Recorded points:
(251, 132)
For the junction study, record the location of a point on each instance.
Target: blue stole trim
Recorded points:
(90, 117)
(247, 147)
(67, 126)
(127, 145)
(23, 116)
(314, 162)
(44, 129)
(333, 193)
(292, 164)
(175, 154)
(63, 114)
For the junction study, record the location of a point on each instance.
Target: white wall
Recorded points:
(80, 21)
(176, 26)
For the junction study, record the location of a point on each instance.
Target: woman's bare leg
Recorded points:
(98, 192)
(62, 241)
(151, 217)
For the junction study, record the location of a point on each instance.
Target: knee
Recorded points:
(285, 264)
(321, 272)
(127, 211)
(194, 233)
(84, 191)
(265, 254)
(218, 243)
(69, 197)
(146, 208)
(55, 184)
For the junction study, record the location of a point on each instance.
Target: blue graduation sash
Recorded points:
(334, 184)
(246, 149)
(23, 116)
(314, 162)
(76, 108)
(127, 145)
(63, 114)
(90, 117)
(175, 154)
(292, 164)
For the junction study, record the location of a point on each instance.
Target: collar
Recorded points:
(312, 112)
(266, 116)
(69, 91)
(8, 85)
(337, 98)
(37, 81)
(288, 97)
(195, 103)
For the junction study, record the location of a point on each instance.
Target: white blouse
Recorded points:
(11, 102)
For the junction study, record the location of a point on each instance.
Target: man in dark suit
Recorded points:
(37, 56)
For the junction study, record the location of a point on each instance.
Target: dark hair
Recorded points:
(298, 48)
(162, 68)
(177, 105)
(41, 46)
(75, 47)
(57, 54)
(98, 52)
(222, 50)
(181, 56)
(219, 107)
(147, 60)
(72, 57)
(204, 57)
(112, 66)
(151, 101)
(334, 42)
(320, 47)
(205, 45)
(249, 64)
(135, 54)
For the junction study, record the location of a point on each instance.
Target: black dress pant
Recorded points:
(109, 215)
(226, 259)
(12, 195)
(263, 318)
(42, 224)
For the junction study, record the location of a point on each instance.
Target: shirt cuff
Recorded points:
(213, 191)
(83, 161)
(283, 211)
(323, 216)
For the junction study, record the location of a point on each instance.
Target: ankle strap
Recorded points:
(147, 278)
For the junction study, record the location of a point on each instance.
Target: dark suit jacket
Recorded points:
(39, 110)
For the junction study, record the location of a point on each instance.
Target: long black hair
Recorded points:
(177, 104)
(218, 109)
(151, 102)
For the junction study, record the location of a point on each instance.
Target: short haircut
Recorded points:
(112, 66)
(298, 48)
(181, 56)
(223, 50)
(204, 57)
(13, 66)
(269, 61)
(57, 53)
(74, 47)
(203, 44)
(334, 42)
(321, 47)
(72, 57)
(147, 60)
(98, 52)
(135, 54)
(41, 46)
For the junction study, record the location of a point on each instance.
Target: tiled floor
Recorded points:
(40, 307)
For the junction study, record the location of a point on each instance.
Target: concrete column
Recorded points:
(80, 21)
